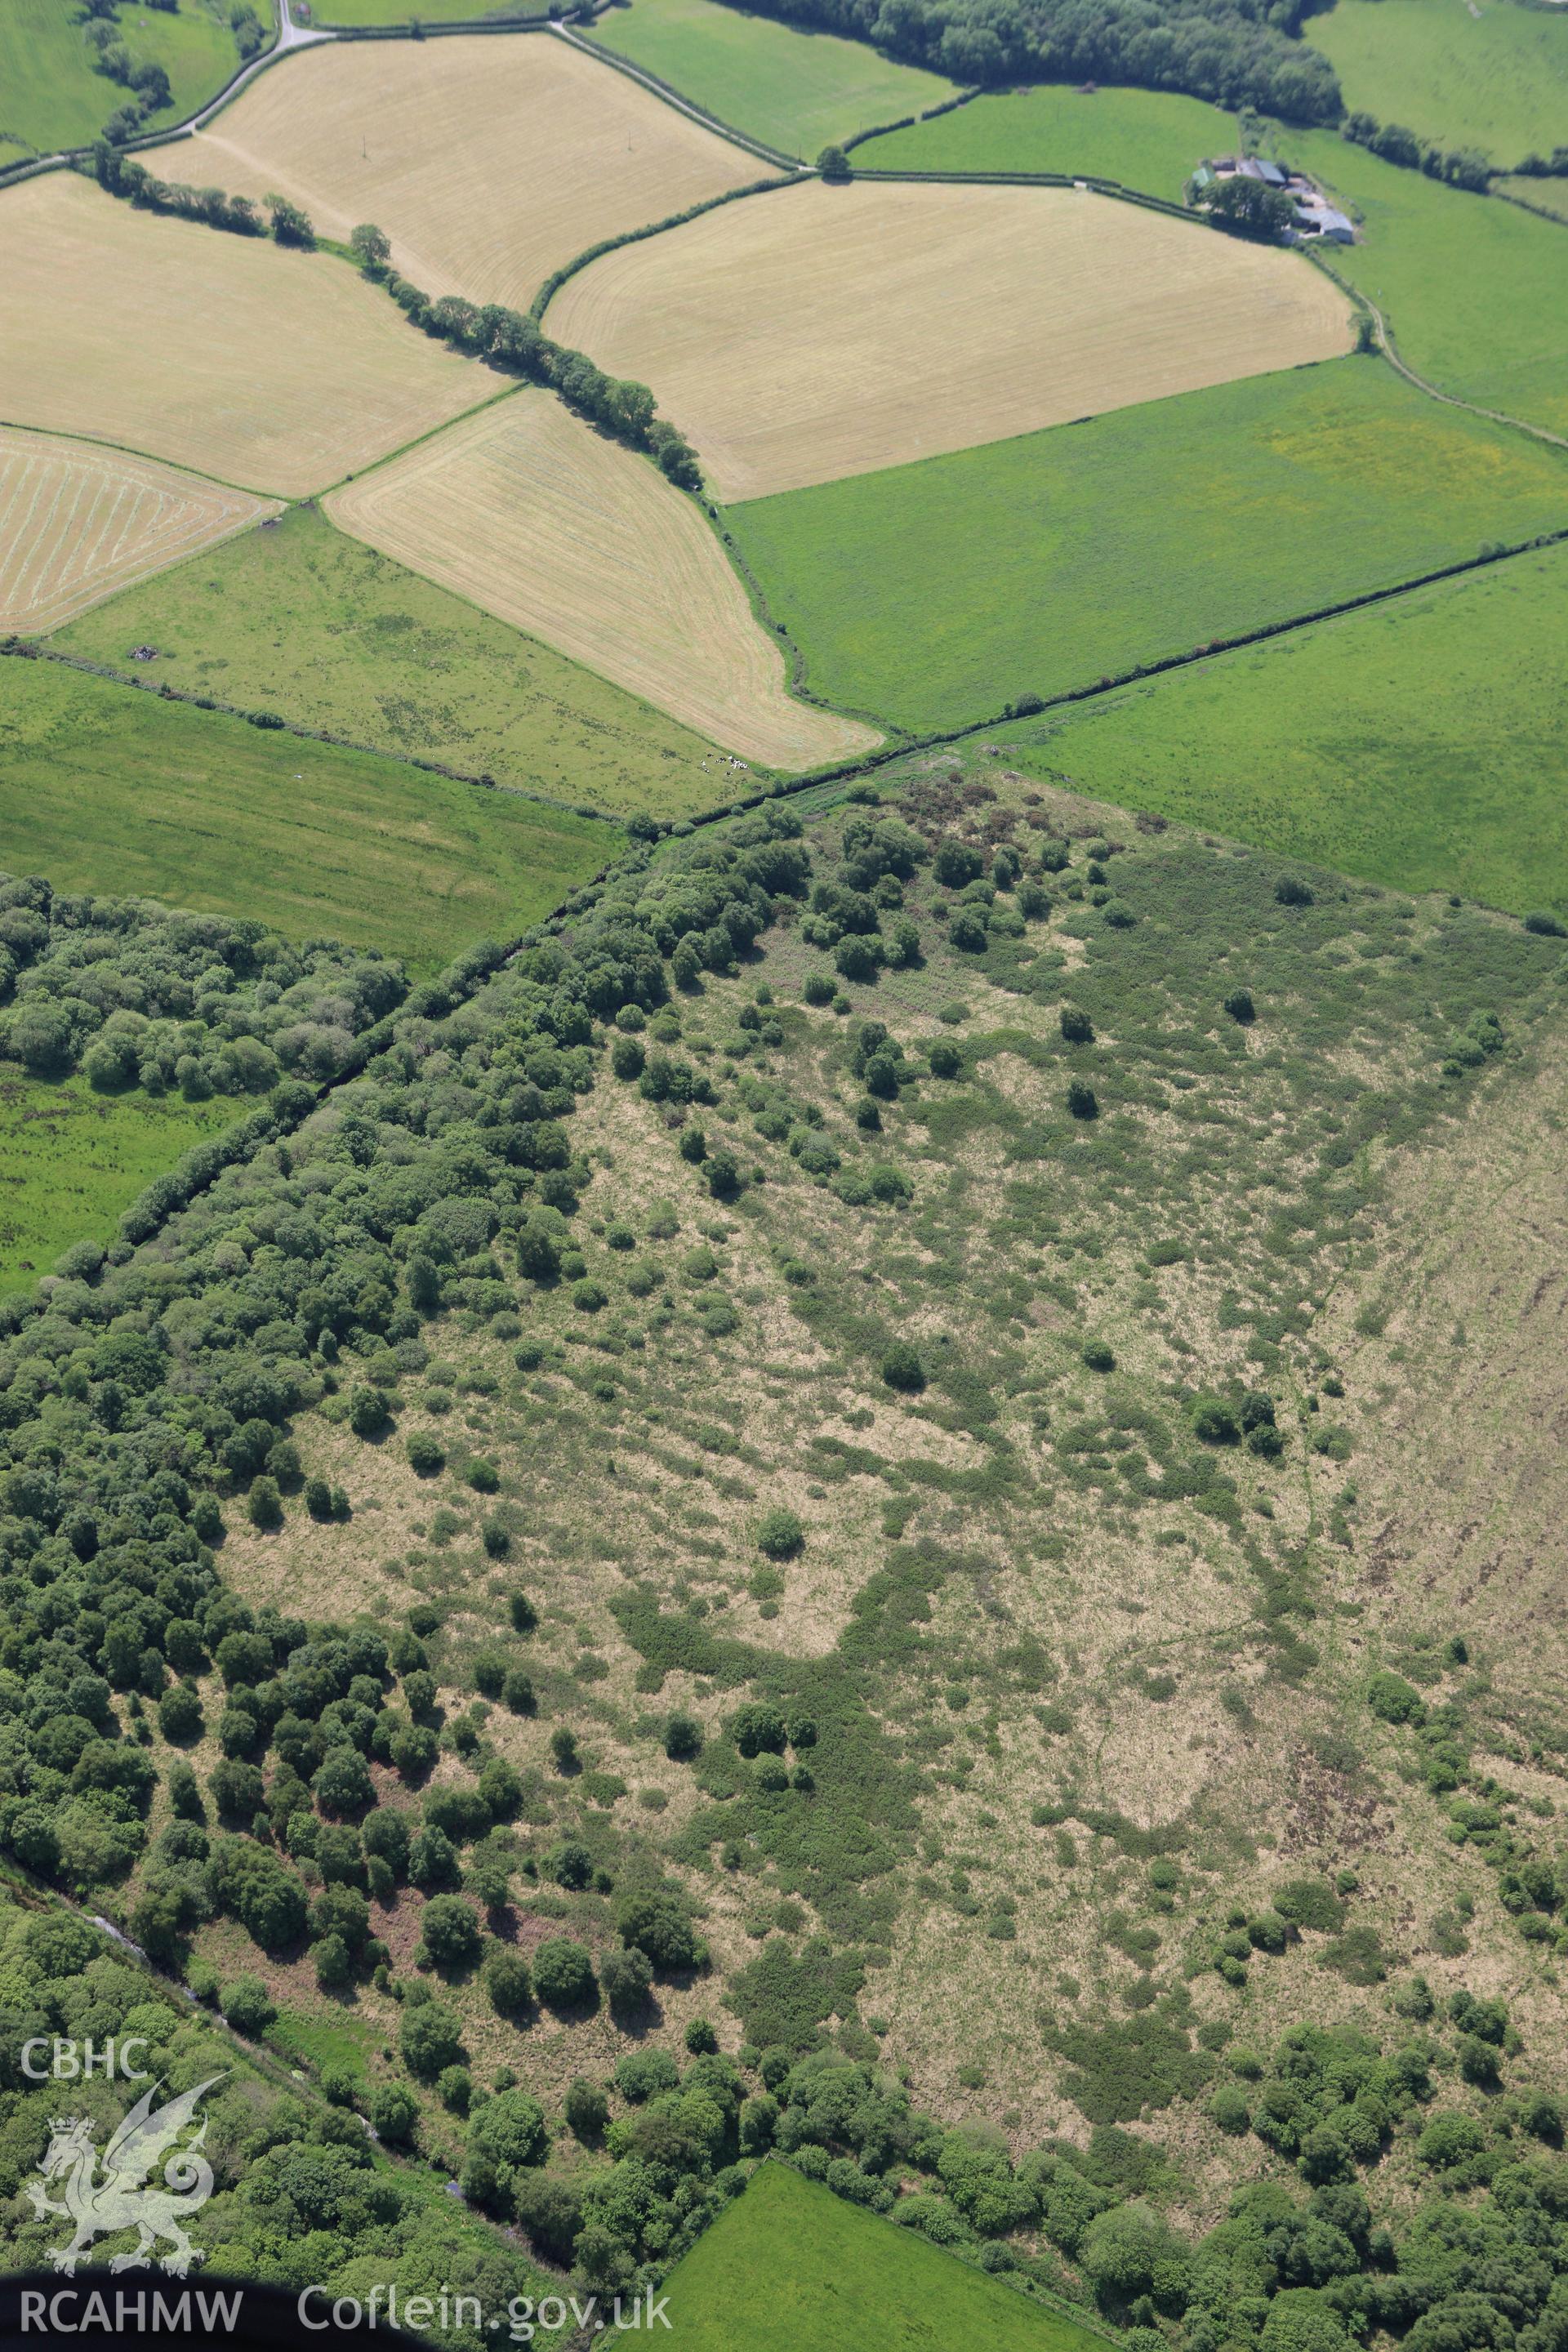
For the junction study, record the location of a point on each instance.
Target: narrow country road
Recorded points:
(289, 36)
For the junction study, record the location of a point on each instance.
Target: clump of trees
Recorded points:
(146, 81)
(1248, 207)
(135, 996)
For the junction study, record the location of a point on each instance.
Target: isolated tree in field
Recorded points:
(266, 1505)
(538, 1253)
(367, 1413)
(586, 2110)
(247, 2006)
(371, 249)
(655, 1925)
(759, 1729)
(342, 1784)
(429, 2037)
(394, 2115)
(151, 83)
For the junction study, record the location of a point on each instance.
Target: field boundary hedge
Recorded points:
(909, 121)
(405, 32)
(1523, 203)
(414, 27)
(568, 270)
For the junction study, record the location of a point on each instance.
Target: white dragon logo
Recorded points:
(121, 2198)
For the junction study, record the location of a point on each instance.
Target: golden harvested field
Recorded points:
(279, 370)
(824, 331)
(487, 162)
(78, 523)
(582, 543)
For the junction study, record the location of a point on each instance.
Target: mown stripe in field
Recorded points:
(78, 523)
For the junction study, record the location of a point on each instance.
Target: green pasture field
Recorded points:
(1139, 138)
(1548, 195)
(1493, 77)
(70, 1161)
(49, 94)
(302, 620)
(796, 90)
(931, 594)
(1423, 744)
(113, 791)
(1475, 290)
(789, 2267)
(428, 12)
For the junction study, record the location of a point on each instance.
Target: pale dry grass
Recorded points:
(279, 370)
(531, 515)
(826, 330)
(79, 523)
(1461, 1456)
(489, 163)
